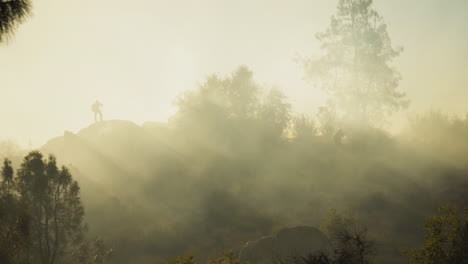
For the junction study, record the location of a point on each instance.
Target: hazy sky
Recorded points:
(137, 56)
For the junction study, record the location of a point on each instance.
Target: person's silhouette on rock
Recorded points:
(96, 108)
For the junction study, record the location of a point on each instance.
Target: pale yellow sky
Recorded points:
(137, 56)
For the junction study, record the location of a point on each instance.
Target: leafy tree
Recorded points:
(303, 128)
(229, 110)
(14, 236)
(355, 66)
(14, 220)
(446, 239)
(12, 13)
(350, 244)
(42, 215)
(242, 94)
(94, 251)
(349, 247)
(54, 204)
(353, 246)
(275, 112)
(7, 183)
(234, 97)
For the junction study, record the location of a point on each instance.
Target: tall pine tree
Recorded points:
(355, 68)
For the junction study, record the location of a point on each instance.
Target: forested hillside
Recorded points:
(217, 175)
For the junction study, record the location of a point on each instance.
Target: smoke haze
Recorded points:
(137, 58)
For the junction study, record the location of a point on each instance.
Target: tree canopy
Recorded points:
(12, 13)
(446, 239)
(355, 67)
(41, 214)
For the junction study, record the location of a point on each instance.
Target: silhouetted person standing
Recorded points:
(96, 107)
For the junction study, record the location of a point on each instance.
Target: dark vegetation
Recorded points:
(217, 176)
(12, 13)
(236, 163)
(41, 214)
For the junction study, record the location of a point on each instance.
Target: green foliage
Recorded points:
(53, 200)
(350, 248)
(355, 67)
(446, 239)
(234, 97)
(7, 178)
(12, 13)
(303, 128)
(14, 235)
(353, 246)
(42, 214)
(226, 107)
(14, 220)
(94, 251)
(181, 260)
(275, 112)
(350, 243)
(217, 176)
(228, 257)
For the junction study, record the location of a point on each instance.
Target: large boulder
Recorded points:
(286, 243)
